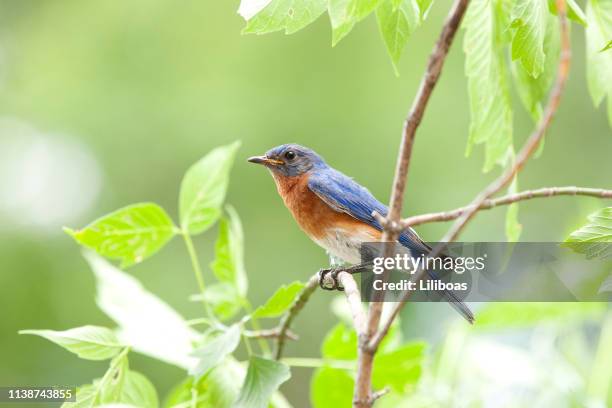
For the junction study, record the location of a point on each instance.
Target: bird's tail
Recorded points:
(452, 298)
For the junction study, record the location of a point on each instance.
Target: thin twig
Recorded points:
(362, 396)
(530, 146)
(504, 200)
(377, 394)
(287, 319)
(270, 334)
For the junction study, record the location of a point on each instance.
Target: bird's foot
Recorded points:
(328, 279)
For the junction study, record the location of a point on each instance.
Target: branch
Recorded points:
(492, 203)
(270, 334)
(363, 393)
(285, 323)
(353, 297)
(530, 146)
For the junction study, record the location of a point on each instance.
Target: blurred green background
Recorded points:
(107, 103)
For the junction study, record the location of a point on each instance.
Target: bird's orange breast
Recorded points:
(312, 214)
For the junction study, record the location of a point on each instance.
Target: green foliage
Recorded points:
(262, 379)
(214, 351)
(599, 64)
(397, 19)
(533, 91)
(88, 342)
(146, 323)
(607, 47)
(203, 189)
(150, 326)
(138, 391)
(340, 343)
(331, 388)
(399, 368)
(490, 105)
(530, 18)
(218, 389)
(341, 18)
(119, 385)
(593, 239)
(288, 15)
(224, 299)
(280, 301)
(131, 234)
(228, 265)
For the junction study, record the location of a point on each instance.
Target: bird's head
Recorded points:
(289, 160)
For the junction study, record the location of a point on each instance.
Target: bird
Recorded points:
(334, 210)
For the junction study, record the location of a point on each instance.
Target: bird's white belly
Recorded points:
(343, 245)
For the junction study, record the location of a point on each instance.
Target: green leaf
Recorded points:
(224, 299)
(131, 234)
(203, 189)
(331, 388)
(280, 301)
(88, 342)
(594, 238)
(342, 22)
(218, 389)
(607, 47)
(111, 385)
(396, 24)
(399, 368)
(513, 226)
(424, 6)
(599, 64)
(344, 14)
(262, 379)
(340, 343)
(119, 387)
(490, 103)
(534, 91)
(146, 323)
(574, 12)
(529, 17)
(287, 15)
(138, 391)
(228, 265)
(86, 396)
(215, 351)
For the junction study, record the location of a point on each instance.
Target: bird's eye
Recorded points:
(290, 155)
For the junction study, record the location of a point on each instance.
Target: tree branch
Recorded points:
(530, 146)
(363, 391)
(488, 204)
(353, 297)
(287, 319)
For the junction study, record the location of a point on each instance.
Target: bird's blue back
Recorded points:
(343, 194)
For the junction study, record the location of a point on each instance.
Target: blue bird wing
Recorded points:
(345, 195)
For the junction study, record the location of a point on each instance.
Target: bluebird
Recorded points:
(333, 209)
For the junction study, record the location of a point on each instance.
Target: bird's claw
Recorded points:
(333, 274)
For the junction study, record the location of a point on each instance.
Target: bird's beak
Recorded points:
(264, 160)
